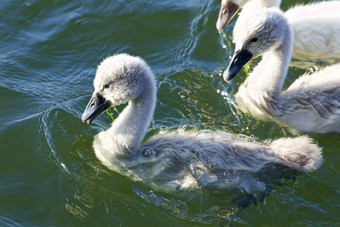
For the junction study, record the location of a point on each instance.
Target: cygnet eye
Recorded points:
(105, 86)
(253, 40)
(148, 152)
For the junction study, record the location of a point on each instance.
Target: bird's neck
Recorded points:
(254, 4)
(269, 75)
(129, 129)
(268, 3)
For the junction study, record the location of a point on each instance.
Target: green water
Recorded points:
(49, 174)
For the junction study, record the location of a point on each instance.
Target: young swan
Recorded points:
(179, 160)
(310, 104)
(229, 8)
(316, 27)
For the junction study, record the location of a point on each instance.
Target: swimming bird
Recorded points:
(310, 104)
(316, 26)
(179, 160)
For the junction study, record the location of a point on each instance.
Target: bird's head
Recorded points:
(119, 79)
(255, 33)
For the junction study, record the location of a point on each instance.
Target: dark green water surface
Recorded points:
(49, 174)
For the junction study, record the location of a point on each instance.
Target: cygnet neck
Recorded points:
(270, 74)
(269, 3)
(129, 129)
(255, 4)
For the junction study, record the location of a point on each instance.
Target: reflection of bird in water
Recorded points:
(316, 27)
(179, 160)
(310, 104)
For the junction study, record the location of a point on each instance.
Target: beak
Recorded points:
(94, 108)
(240, 58)
(227, 12)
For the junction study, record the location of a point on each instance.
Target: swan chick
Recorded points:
(179, 160)
(310, 104)
(229, 8)
(316, 26)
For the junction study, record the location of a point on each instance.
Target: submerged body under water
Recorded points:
(162, 169)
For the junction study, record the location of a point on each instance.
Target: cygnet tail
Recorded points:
(299, 153)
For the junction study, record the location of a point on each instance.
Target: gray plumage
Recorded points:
(310, 104)
(179, 160)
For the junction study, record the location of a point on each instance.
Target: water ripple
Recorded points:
(50, 50)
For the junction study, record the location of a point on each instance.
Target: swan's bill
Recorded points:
(240, 58)
(94, 108)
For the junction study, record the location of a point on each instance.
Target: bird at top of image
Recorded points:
(315, 26)
(179, 160)
(310, 104)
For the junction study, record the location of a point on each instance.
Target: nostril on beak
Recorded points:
(93, 102)
(237, 59)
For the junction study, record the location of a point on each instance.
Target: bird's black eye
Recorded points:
(105, 86)
(253, 40)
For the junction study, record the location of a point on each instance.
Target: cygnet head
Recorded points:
(119, 79)
(255, 33)
(229, 8)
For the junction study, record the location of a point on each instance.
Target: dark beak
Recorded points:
(94, 108)
(227, 12)
(240, 58)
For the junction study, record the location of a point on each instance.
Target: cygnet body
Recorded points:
(179, 160)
